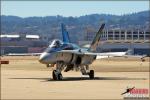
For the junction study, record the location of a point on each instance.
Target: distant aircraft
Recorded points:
(68, 56)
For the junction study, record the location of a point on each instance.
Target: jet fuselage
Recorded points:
(53, 54)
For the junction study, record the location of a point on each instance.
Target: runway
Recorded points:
(32, 83)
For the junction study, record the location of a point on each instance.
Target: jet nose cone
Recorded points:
(43, 57)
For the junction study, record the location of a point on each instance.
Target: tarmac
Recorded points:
(28, 79)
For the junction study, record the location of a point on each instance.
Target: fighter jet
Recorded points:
(68, 56)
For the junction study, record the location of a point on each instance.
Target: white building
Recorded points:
(121, 40)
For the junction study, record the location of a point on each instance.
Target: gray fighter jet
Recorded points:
(68, 56)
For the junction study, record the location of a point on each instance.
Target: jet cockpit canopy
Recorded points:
(56, 43)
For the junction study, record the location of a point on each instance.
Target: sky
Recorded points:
(71, 8)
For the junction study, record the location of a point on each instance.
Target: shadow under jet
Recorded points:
(83, 78)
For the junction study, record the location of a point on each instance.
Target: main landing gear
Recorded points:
(85, 72)
(56, 74)
(91, 74)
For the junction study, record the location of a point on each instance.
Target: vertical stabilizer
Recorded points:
(65, 34)
(96, 40)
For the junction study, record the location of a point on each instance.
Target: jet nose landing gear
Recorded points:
(57, 75)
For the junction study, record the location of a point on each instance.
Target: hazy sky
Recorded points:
(71, 8)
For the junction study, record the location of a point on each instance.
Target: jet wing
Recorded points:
(78, 52)
(102, 55)
(99, 55)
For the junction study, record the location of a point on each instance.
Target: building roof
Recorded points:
(9, 36)
(18, 36)
(32, 36)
